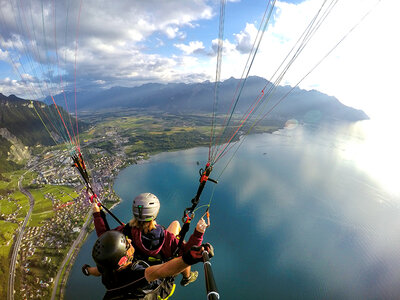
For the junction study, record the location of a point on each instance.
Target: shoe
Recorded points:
(190, 279)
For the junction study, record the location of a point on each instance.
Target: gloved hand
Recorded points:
(201, 226)
(85, 270)
(195, 254)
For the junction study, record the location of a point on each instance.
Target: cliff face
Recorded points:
(18, 152)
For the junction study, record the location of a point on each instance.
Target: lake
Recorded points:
(305, 213)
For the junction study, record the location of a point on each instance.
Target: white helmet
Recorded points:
(146, 207)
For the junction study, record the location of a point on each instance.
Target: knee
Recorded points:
(174, 227)
(176, 224)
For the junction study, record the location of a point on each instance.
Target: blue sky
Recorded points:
(129, 43)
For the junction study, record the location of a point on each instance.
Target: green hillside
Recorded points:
(21, 126)
(20, 119)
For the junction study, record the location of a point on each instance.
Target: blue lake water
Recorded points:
(304, 213)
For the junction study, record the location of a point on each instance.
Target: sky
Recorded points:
(98, 44)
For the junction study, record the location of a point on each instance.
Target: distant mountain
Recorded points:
(198, 97)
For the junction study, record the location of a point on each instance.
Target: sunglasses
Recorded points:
(128, 257)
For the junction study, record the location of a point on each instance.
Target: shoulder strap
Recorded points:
(127, 231)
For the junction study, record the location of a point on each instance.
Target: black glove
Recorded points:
(85, 270)
(209, 248)
(195, 254)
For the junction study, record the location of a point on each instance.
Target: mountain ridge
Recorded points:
(199, 98)
(21, 128)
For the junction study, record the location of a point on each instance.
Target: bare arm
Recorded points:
(170, 268)
(88, 270)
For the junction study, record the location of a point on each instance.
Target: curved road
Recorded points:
(20, 234)
(71, 251)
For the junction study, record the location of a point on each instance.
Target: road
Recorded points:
(17, 244)
(74, 247)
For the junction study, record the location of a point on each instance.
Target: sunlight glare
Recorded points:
(374, 150)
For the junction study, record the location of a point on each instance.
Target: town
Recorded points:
(60, 209)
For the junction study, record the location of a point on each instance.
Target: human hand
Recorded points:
(209, 248)
(201, 226)
(195, 254)
(92, 199)
(95, 207)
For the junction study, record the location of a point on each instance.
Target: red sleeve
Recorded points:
(100, 225)
(195, 240)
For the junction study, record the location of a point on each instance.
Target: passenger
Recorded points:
(125, 278)
(153, 243)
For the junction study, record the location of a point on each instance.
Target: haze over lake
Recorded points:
(305, 213)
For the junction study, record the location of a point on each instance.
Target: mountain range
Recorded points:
(184, 98)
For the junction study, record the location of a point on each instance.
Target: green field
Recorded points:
(24, 202)
(9, 181)
(150, 133)
(7, 207)
(43, 208)
(13, 200)
(6, 236)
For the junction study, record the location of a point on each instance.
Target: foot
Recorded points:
(190, 279)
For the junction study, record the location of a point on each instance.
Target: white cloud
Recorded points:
(245, 39)
(113, 39)
(4, 55)
(171, 32)
(10, 86)
(191, 48)
(28, 77)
